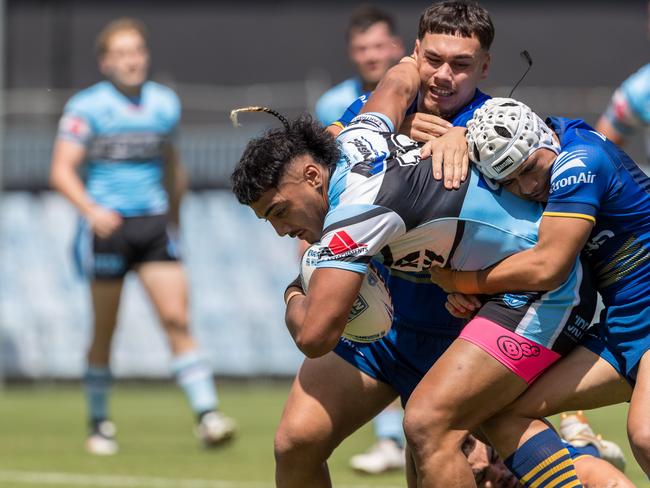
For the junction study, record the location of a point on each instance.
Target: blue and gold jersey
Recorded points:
(125, 141)
(593, 179)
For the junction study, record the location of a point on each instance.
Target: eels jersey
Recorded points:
(594, 180)
(385, 202)
(125, 140)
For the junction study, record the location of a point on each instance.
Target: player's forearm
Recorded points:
(176, 184)
(528, 270)
(395, 93)
(65, 180)
(313, 336)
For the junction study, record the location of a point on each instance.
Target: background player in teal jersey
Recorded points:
(123, 129)
(599, 199)
(373, 47)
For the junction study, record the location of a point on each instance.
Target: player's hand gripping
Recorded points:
(462, 306)
(449, 157)
(103, 222)
(423, 127)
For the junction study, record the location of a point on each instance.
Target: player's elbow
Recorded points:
(314, 345)
(547, 275)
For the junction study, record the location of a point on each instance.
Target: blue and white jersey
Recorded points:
(125, 140)
(332, 104)
(385, 202)
(416, 301)
(593, 179)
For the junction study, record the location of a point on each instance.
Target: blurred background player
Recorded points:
(123, 128)
(628, 109)
(373, 47)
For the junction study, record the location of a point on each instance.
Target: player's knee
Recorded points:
(638, 431)
(297, 447)
(424, 428)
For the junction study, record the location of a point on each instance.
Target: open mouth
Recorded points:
(440, 92)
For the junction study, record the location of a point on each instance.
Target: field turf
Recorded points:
(42, 430)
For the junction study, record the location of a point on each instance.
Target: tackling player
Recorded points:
(381, 196)
(123, 129)
(597, 198)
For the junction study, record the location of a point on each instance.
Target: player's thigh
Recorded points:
(464, 387)
(329, 400)
(166, 284)
(581, 380)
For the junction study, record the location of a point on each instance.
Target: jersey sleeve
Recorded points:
(354, 233)
(580, 179)
(629, 107)
(76, 122)
(352, 111)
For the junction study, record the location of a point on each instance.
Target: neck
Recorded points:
(129, 91)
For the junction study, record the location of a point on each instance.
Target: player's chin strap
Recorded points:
(257, 108)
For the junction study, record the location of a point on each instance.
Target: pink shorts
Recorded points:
(524, 357)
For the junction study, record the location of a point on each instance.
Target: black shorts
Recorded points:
(137, 240)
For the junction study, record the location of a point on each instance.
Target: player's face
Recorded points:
(297, 207)
(532, 180)
(488, 468)
(126, 60)
(450, 69)
(373, 51)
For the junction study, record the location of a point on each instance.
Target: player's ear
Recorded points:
(416, 50)
(486, 65)
(313, 175)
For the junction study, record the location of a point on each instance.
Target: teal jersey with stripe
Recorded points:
(125, 141)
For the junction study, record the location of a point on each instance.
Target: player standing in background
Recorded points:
(628, 109)
(373, 47)
(124, 128)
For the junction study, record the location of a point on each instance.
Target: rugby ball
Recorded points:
(372, 312)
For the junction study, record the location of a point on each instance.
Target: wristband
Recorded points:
(292, 294)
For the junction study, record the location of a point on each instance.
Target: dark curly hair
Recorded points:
(265, 158)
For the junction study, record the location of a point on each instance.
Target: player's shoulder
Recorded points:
(162, 93)
(636, 89)
(85, 101)
(347, 90)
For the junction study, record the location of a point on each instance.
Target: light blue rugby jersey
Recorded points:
(384, 202)
(125, 143)
(333, 103)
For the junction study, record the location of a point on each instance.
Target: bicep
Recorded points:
(606, 128)
(67, 154)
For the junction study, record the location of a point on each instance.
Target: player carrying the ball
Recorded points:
(368, 194)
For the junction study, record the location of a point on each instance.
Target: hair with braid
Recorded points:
(266, 158)
(457, 18)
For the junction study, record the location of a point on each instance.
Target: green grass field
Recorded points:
(42, 430)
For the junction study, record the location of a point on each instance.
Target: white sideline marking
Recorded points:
(75, 479)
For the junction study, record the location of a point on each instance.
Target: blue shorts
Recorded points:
(402, 357)
(622, 336)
